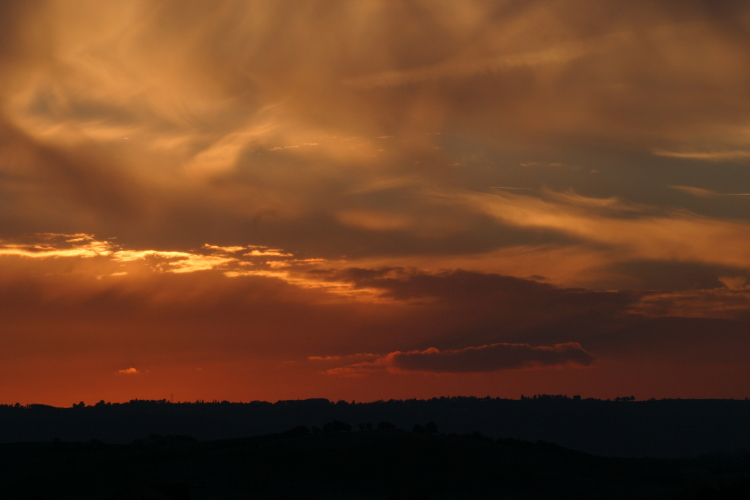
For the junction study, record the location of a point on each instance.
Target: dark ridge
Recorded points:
(344, 464)
(667, 428)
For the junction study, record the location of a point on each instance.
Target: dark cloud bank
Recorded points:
(490, 358)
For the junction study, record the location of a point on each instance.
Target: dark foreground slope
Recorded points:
(355, 465)
(663, 428)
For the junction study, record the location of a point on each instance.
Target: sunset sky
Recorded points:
(372, 199)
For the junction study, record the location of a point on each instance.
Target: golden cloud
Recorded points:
(667, 236)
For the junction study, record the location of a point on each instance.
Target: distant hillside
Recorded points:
(367, 465)
(658, 428)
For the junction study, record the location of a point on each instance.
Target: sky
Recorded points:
(252, 200)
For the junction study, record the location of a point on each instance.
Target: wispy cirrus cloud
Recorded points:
(632, 231)
(461, 68)
(695, 191)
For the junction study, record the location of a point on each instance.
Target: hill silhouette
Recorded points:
(668, 428)
(343, 464)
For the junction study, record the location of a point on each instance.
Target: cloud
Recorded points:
(646, 232)
(145, 306)
(732, 302)
(55, 310)
(51, 245)
(486, 358)
(706, 156)
(539, 164)
(276, 180)
(733, 282)
(695, 191)
(704, 193)
(129, 371)
(458, 285)
(374, 221)
(212, 128)
(228, 259)
(461, 68)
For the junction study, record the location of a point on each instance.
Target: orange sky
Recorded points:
(368, 200)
